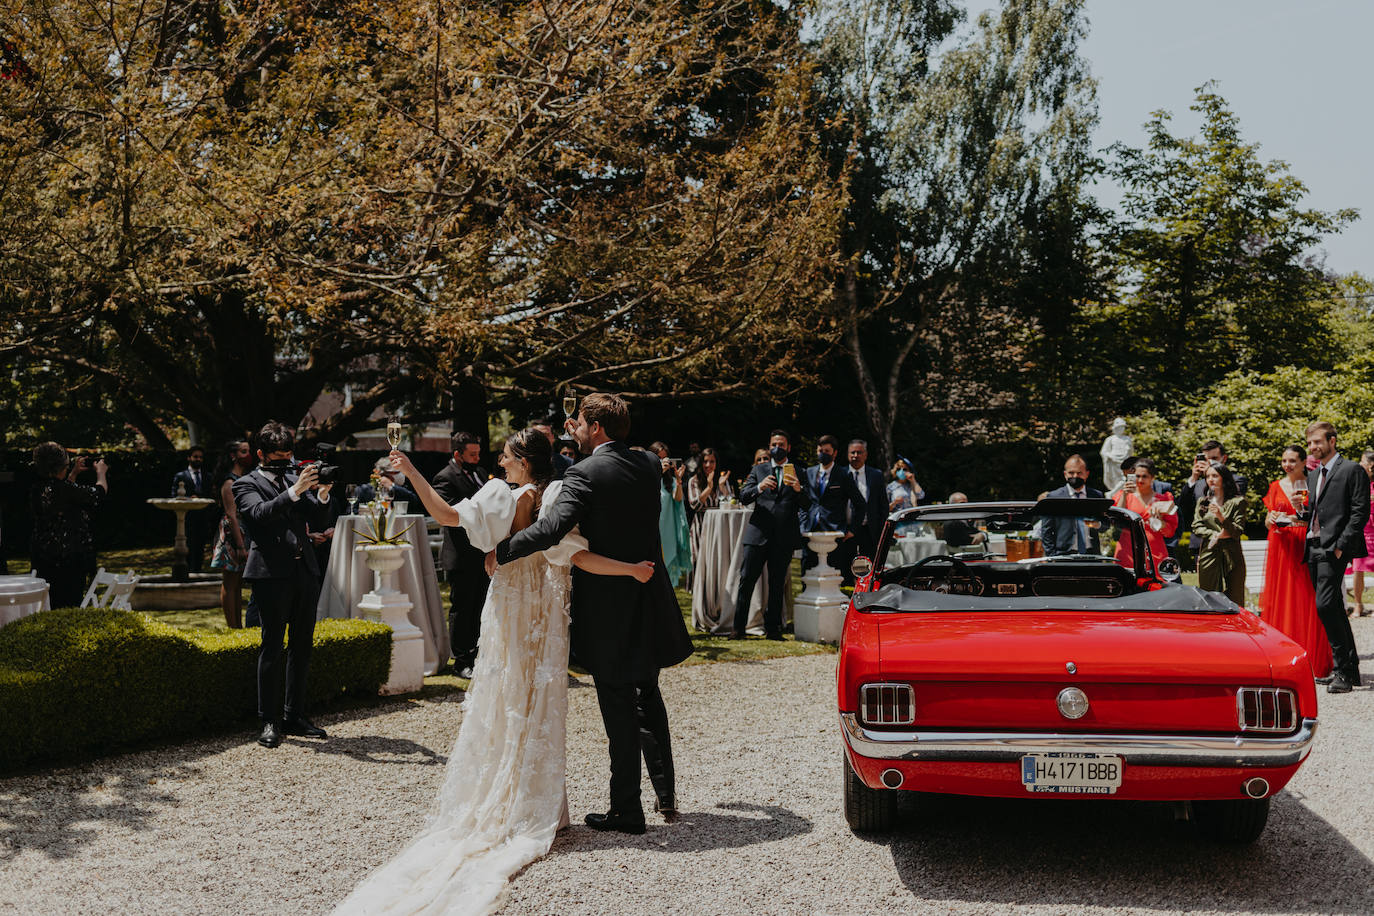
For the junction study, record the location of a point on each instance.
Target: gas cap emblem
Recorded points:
(1071, 668)
(1073, 703)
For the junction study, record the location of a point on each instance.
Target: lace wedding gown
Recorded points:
(503, 796)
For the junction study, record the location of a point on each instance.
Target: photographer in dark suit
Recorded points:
(194, 482)
(1335, 535)
(1062, 534)
(462, 563)
(274, 506)
(774, 532)
(623, 631)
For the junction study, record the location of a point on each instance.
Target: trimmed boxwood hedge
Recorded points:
(74, 682)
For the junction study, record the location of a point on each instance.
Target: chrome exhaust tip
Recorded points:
(893, 779)
(1256, 787)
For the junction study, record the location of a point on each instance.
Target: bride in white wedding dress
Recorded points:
(503, 796)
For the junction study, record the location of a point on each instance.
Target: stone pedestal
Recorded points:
(818, 614)
(387, 604)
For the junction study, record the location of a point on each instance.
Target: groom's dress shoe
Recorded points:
(303, 727)
(667, 807)
(613, 820)
(271, 735)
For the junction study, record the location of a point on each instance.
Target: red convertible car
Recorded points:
(1068, 677)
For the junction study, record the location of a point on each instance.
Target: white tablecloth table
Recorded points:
(716, 579)
(347, 579)
(21, 596)
(907, 550)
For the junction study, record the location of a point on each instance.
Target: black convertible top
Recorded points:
(1171, 599)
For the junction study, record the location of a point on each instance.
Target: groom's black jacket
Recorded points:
(622, 631)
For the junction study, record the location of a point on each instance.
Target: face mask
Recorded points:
(901, 474)
(195, 462)
(469, 466)
(1076, 482)
(778, 453)
(825, 458)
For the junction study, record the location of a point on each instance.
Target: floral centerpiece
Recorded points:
(378, 514)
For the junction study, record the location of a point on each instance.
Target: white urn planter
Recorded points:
(818, 615)
(389, 605)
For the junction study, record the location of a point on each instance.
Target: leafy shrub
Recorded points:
(80, 681)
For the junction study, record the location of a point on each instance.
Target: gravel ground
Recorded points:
(222, 825)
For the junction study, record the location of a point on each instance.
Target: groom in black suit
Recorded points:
(623, 632)
(1335, 535)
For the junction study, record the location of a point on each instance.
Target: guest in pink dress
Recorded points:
(1362, 565)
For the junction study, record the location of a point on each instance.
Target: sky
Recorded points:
(1298, 76)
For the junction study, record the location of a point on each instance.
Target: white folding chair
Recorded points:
(121, 591)
(94, 596)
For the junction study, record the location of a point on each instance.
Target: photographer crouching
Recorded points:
(275, 503)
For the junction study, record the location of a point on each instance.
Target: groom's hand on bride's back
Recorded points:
(491, 563)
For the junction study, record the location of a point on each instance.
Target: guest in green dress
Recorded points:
(1218, 523)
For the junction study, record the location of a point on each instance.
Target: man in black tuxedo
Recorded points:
(773, 533)
(873, 493)
(623, 632)
(464, 564)
(194, 482)
(836, 502)
(1062, 534)
(275, 505)
(1335, 535)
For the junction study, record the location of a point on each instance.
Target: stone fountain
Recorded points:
(181, 590)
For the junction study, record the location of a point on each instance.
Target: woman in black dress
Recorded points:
(62, 549)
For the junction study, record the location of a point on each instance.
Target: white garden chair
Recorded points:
(110, 590)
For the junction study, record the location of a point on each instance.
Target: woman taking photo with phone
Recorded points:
(1218, 523)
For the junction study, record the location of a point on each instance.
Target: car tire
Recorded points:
(867, 810)
(1238, 820)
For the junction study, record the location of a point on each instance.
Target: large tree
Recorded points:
(965, 166)
(1218, 261)
(220, 210)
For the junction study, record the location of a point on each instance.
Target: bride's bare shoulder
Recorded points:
(524, 511)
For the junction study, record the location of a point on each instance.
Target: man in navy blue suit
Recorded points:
(194, 482)
(1062, 534)
(836, 503)
(773, 533)
(275, 506)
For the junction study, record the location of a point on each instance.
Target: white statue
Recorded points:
(1116, 448)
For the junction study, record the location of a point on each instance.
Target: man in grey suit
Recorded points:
(1335, 536)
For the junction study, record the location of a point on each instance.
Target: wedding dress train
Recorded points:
(503, 797)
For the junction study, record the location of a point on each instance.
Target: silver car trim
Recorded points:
(1140, 750)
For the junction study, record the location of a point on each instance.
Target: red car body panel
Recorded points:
(1001, 671)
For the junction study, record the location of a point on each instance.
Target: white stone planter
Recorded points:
(389, 605)
(818, 615)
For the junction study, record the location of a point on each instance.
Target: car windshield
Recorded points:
(976, 549)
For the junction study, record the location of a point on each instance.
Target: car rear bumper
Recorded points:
(1139, 750)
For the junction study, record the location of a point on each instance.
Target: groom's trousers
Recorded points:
(636, 723)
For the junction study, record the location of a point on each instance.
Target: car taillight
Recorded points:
(887, 704)
(1266, 709)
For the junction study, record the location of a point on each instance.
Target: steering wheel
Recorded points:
(957, 567)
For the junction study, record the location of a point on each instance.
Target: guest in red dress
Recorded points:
(1157, 509)
(1288, 602)
(1362, 565)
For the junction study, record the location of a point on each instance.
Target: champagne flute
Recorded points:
(393, 433)
(1299, 499)
(569, 405)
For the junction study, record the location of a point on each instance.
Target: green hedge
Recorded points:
(80, 681)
